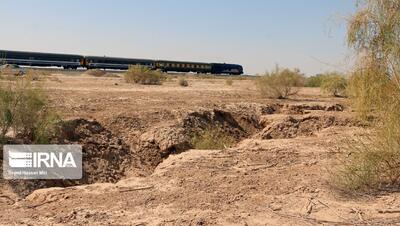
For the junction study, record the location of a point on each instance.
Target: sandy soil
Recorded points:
(277, 173)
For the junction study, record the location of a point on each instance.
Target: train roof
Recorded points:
(226, 64)
(182, 62)
(38, 53)
(118, 58)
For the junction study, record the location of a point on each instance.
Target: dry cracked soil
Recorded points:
(141, 169)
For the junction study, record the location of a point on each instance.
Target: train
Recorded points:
(71, 61)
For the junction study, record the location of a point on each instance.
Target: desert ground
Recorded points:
(140, 169)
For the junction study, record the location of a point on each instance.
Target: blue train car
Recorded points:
(67, 61)
(93, 62)
(183, 66)
(230, 69)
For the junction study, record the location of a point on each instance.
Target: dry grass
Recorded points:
(229, 82)
(212, 139)
(372, 163)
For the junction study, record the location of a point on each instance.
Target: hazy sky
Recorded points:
(307, 34)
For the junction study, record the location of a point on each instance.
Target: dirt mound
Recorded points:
(203, 119)
(248, 114)
(254, 108)
(158, 143)
(291, 127)
(96, 72)
(105, 157)
(305, 108)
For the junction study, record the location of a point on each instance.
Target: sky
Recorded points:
(306, 34)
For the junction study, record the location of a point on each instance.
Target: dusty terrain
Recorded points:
(140, 170)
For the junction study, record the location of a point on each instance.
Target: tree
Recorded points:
(374, 33)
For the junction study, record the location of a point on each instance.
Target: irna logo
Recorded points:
(40, 159)
(42, 162)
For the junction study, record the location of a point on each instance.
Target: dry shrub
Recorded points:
(9, 74)
(183, 82)
(96, 72)
(374, 162)
(212, 139)
(24, 110)
(229, 82)
(143, 75)
(33, 75)
(280, 83)
(334, 84)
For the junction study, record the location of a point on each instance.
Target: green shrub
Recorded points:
(7, 103)
(143, 75)
(314, 81)
(229, 82)
(183, 82)
(212, 139)
(23, 108)
(334, 84)
(281, 83)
